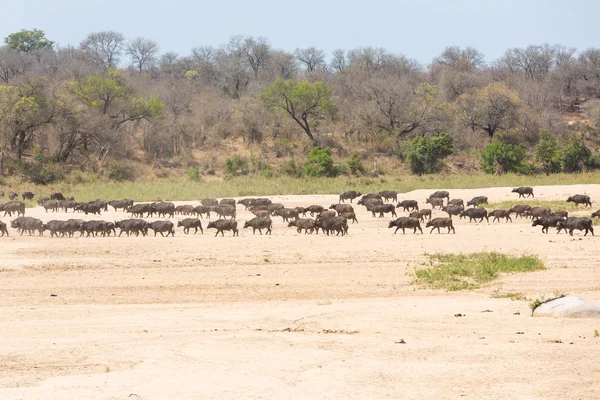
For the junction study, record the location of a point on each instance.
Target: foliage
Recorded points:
(425, 155)
(355, 164)
(194, 173)
(465, 272)
(290, 168)
(319, 162)
(575, 155)
(27, 41)
(236, 166)
(42, 171)
(498, 157)
(547, 153)
(302, 101)
(119, 171)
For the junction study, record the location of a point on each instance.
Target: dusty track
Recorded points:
(291, 316)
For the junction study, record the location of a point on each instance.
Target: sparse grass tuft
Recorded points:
(539, 301)
(324, 303)
(509, 295)
(596, 333)
(265, 259)
(469, 271)
(107, 370)
(554, 205)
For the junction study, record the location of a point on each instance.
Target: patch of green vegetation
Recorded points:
(539, 301)
(453, 272)
(596, 333)
(554, 205)
(514, 296)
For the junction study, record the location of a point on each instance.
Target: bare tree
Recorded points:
(369, 59)
(311, 57)
(255, 51)
(534, 61)
(143, 53)
(339, 61)
(461, 60)
(204, 59)
(103, 48)
(283, 65)
(13, 64)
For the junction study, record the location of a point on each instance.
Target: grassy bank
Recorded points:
(182, 188)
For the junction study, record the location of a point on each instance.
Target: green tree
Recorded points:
(319, 162)
(355, 163)
(27, 41)
(508, 157)
(547, 153)
(425, 155)
(302, 101)
(575, 155)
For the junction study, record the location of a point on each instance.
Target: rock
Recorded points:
(567, 307)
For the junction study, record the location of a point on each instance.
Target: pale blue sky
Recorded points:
(417, 29)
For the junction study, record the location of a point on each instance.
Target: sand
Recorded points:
(293, 316)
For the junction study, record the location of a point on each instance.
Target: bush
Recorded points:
(355, 163)
(267, 173)
(547, 153)
(43, 173)
(290, 168)
(118, 171)
(193, 173)
(319, 162)
(498, 157)
(236, 166)
(575, 155)
(425, 155)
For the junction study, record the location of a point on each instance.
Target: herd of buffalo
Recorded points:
(333, 219)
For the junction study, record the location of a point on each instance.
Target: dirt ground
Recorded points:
(292, 316)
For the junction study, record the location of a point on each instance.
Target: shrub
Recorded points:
(498, 157)
(43, 173)
(267, 173)
(118, 171)
(355, 163)
(319, 162)
(194, 173)
(290, 168)
(236, 166)
(547, 153)
(575, 155)
(425, 155)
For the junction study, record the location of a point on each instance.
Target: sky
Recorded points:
(418, 29)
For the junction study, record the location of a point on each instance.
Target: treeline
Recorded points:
(110, 98)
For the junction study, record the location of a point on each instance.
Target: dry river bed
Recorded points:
(293, 316)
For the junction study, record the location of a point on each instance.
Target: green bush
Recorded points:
(547, 153)
(267, 173)
(290, 168)
(118, 171)
(425, 155)
(498, 157)
(575, 155)
(193, 173)
(43, 173)
(236, 166)
(319, 162)
(355, 163)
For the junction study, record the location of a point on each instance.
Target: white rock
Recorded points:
(567, 307)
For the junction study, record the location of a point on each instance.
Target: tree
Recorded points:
(338, 60)
(27, 41)
(143, 53)
(490, 108)
(547, 153)
(460, 60)
(300, 100)
(425, 155)
(311, 57)
(255, 51)
(575, 155)
(498, 157)
(103, 48)
(319, 162)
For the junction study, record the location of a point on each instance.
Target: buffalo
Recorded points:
(389, 195)
(546, 222)
(308, 224)
(452, 210)
(435, 202)
(440, 223)
(222, 225)
(404, 223)
(476, 201)
(162, 227)
(580, 199)
(349, 195)
(497, 214)
(572, 223)
(408, 205)
(259, 224)
(475, 213)
(524, 190)
(189, 223)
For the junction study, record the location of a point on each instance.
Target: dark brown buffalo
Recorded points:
(327, 214)
(338, 224)
(55, 227)
(139, 209)
(404, 223)
(546, 222)
(497, 214)
(453, 210)
(185, 209)
(456, 202)
(164, 209)
(12, 195)
(11, 207)
(224, 210)
(435, 202)
(274, 206)
(596, 214)
(389, 195)
(441, 194)
(89, 208)
(260, 213)
(191, 223)
(537, 212)
(259, 224)
(382, 209)
(580, 199)
(350, 216)
(57, 196)
(520, 210)
(475, 213)
(222, 225)
(51, 205)
(132, 226)
(209, 202)
(341, 208)
(28, 224)
(418, 215)
(27, 196)
(68, 204)
(349, 195)
(408, 205)
(162, 227)
(561, 214)
(200, 210)
(477, 201)
(230, 202)
(301, 211)
(3, 229)
(440, 223)
(314, 209)
(120, 204)
(308, 224)
(103, 204)
(286, 214)
(524, 190)
(369, 196)
(245, 202)
(573, 223)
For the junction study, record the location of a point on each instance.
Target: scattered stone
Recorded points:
(567, 307)
(401, 342)
(459, 315)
